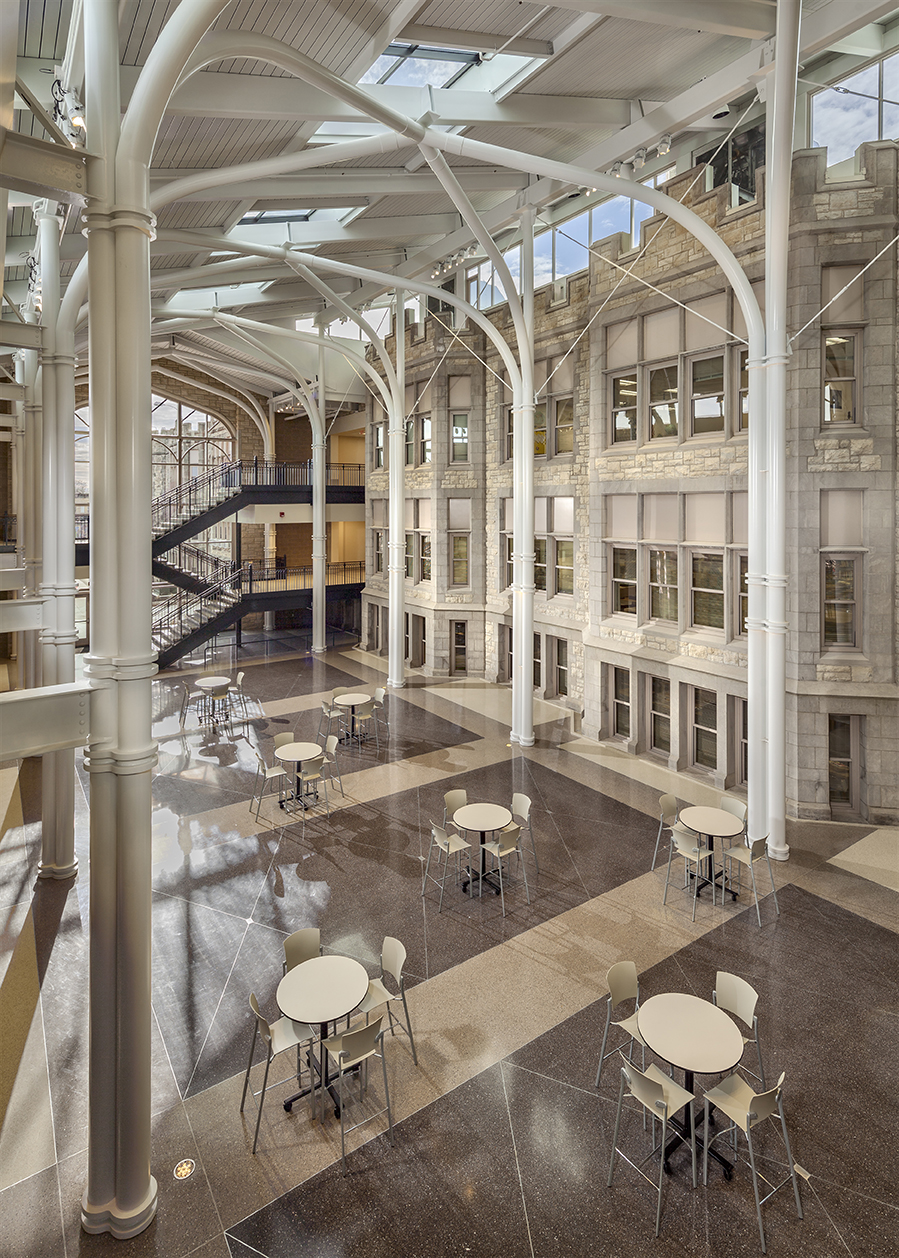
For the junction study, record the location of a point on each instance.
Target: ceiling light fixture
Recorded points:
(639, 159)
(664, 145)
(616, 170)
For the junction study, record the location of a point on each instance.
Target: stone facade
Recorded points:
(649, 681)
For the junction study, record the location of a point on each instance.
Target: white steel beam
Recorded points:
(21, 614)
(752, 19)
(44, 719)
(474, 41)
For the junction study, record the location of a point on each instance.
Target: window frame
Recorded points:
(857, 559)
(454, 415)
(690, 363)
(453, 538)
(654, 547)
(695, 762)
(649, 370)
(378, 549)
(629, 376)
(561, 667)
(741, 593)
(623, 582)
(379, 448)
(653, 714)
(853, 334)
(619, 705)
(693, 625)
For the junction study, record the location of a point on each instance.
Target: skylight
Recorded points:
(412, 65)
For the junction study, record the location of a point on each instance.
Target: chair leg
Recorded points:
(661, 1167)
(602, 1051)
(502, 894)
(443, 879)
(755, 892)
(668, 872)
(249, 1064)
(615, 1133)
(771, 876)
(755, 1189)
(524, 874)
(387, 1091)
(658, 841)
(268, 1062)
(342, 1121)
(783, 1127)
(695, 886)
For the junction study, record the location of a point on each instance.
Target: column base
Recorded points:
(121, 1226)
(526, 742)
(780, 853)
(47, 870)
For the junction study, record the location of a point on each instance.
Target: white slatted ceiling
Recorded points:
(43, 27)
(504, 19)
(197, 142)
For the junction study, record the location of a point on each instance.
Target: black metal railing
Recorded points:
(201, 493)
(198, 563)
(8, 529)
(82, 527)
(185, 612)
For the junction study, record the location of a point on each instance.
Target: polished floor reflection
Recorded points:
(502, 1142)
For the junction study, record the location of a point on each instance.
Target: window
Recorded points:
(856, 109)
(378, 446)
(459, 523)
(540, 430)
(707, 395)
(561, 520)
(459, 438)
(460, 646)
(840, 378)
(844, 763)
(538, 661)
(379, 550)
(743, 392)
(564, 570)
(663, 584)
(509, 432)
(736, 162)
(424, 445)
(741, 724)
(742, 594)
(659, 714)
(417, 424)
(561, 666)
(705, 729)
(624, 407)
(409, 442)
(410, 556)
(841, 582)
(424, 556)
(663, 401)
(540, 563)
(624, 580)
(707, 591)
(621, 703)
(564, 426)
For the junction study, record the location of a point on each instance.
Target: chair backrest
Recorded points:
(508, 838)
(240, 677)
(521, 806)
(365, 710)
(736, 807)
(379, 694)
(262, 765)
(757, 848)
(734, 995)
(357, 1045)
(668, 808)
(326, 706)
(454, 800)
(393, 955)
(312, 768)
(340, 690)
(622, 982)
(643, 1089)
(330, 744)
(264, 1028)
(764, 1104)
(281, 740)
(439, 835)
(302, 946)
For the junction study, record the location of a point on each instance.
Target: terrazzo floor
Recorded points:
(501, 1142)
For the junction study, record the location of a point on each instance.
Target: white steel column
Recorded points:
(523, 507)
(779, 115)
(396, 480)
(270, 538)
(319, 498)
(121, 1195)
(57, 778)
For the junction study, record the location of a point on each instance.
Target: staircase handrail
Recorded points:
(199, 563)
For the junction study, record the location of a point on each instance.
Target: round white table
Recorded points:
(484, 818)
(216, 690)
(712, 823)
(296, 753)
(352, 700)
(320, 991)
(695, 1036)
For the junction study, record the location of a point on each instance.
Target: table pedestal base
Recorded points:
(683, 1130)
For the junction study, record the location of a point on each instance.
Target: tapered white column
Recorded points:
(319, 499)
(780, 111)
(121, 1195)
(523, 507)
(396, 541)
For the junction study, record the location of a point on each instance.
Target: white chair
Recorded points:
(191, 698)
(393, 956)
(662, 1098)
(236, 694)
(668, 818)
(331, 760)
(746, 1109)
(736, 807)
(302, 946)
(736, 997)
(380, 708)
(692, 856)
(220, 698)
(278, 1037)
(281, 740)
(265, 777)
(521, 813)
(452, 802)
(350, 1051)
(330, 712)
(450, 845)
(623, 984)
(364, 714)
(311, 775)
(749, 857)
(506, 844)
